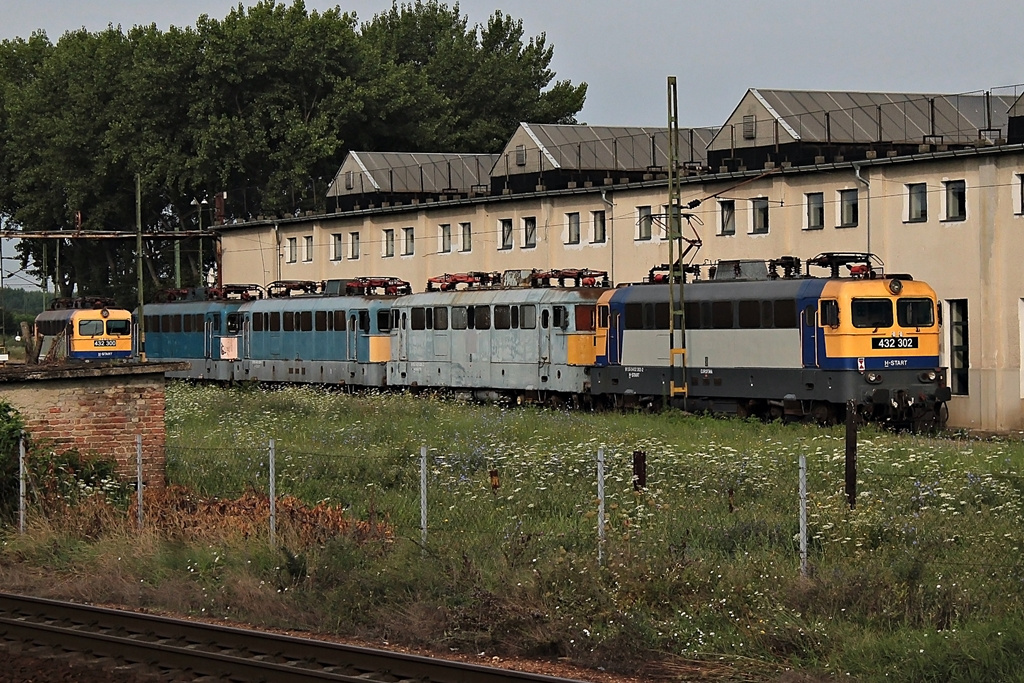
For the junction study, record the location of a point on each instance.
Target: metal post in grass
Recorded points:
(600, 506)
(803, 515)
(851, 454)
(21, 483)
(423, 497)
(138, 477)
(271, 455)
(639, 470)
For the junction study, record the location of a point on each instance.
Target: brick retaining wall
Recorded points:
(95, 409)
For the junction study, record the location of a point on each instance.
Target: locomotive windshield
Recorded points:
(119, 327)
(874, 313)
(90, 328)
(915, 312)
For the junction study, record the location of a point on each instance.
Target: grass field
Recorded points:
(700, 571)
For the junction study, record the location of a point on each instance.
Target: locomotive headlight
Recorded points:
(873, 378)
(928, 376)
(895, 286)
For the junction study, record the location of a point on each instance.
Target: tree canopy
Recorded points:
(262, 104)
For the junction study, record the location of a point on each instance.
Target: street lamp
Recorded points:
(199, 207)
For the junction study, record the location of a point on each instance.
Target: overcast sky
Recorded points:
(716, 48)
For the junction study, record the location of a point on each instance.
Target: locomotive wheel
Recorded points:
(823, 413)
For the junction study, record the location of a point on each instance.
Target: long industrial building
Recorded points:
(930, 183)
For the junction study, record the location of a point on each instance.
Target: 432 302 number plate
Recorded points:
(894, 342)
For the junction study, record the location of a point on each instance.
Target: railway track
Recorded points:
(179, 650)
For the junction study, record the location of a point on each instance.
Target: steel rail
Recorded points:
(199, 649)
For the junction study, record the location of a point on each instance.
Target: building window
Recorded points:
(848, 208)
(353, 245)
(408, 241)
(1020, 193)
(644, 222)
(599, 227)
(956, 200)
(959, 350)
(506, 233)
(917, 198)
(293, 249)
(727, 217)
(815, 210)
(573, 221)
(308, 251)
(467, 236)
(337, 247)
(389, 242)
(446, 238)
(759, 223)
(520, 155)
(749, 127)
(529, 232)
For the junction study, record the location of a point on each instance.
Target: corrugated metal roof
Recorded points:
(411, 172)
(865, 117)
(585, 147)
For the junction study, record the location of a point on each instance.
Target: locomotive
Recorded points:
(737, 337)
(83, 329)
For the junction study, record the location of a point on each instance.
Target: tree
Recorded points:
(262, 104)
(473, 85)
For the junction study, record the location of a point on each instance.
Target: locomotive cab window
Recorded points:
(602, 316)
(119, 327)
(561, 317)
(90, 328)
(502, 317)
(829, 313)
(364, 321)
(915, 312)
(873, 313)
(234, 322)
(585, 318)
(418, 318)
(383, 320)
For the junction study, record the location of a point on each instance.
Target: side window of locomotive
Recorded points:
(275, 321)
(721, 315)
(585, 318)
(234, 322)
(440, 317)
(915, 312)
(602, 316)
(289, 321)
(515, 317)
(384, 320)
(691, 315)
(175, 323)
(705, 315)
(257, 322)
(528, 317)
(873, 313)
(502, 317)
(561, 317)
(767, 315)
(339, 321)
(829, 313)
(809, 315)
(634, 317)
(319, 321)
(545, 318)
(119, 327)
(785, 314)
(305, 320)
(215, 320)
(187, 324)
(418, 318)
(661, 316)
(482, 317)
(364, 321)
(90, 328)
(750, 315)
(460, 318)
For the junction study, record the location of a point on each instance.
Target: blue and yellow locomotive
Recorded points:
(762, 343)
(84, 329)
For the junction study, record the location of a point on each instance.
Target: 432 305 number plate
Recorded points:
(894, 342)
